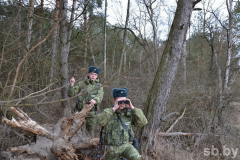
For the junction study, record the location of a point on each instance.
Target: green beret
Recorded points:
(120, 92)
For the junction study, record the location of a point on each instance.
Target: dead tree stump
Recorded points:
(58, 141)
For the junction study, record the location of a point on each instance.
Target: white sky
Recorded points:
(117, 10)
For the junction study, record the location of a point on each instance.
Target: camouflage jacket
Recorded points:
(89, 91)
(114, 133)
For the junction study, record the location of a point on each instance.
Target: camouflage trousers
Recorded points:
(91, 122)
(126, 150)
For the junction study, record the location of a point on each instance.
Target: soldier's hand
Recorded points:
(92, 102)
(72, 81)
(116, 106)
(130, 104)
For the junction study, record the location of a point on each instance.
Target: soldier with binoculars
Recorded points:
(116, 133)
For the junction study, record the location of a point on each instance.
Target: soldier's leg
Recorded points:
(113, 154)
(90, 124)
(130, 153)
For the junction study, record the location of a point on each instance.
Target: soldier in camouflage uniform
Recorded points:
(91, 93)
(116, 138)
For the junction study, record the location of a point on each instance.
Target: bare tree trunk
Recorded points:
(123, 55)
(149, 8)
(29, 35)
(30, 23)
(229, 50)
(40, 27)
(66, 32)
(55, 42)
(19, 33)
(40, 47)
(85, 32)
(91, 50)
(184, 55)
(113, 59)
(19, 27)
(215, 61)
(71, 23)
(105, 42)
(157, 98)
(227, 84)
(64, 53)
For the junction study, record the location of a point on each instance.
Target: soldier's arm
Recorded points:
(74, 90)
(139, 118)
(98, 98)
(103, 118)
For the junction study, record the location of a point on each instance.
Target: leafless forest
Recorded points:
(178, 59)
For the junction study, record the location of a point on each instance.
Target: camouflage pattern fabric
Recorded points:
(114, 134)
(126, 150)
(91, 122)
(88, 92)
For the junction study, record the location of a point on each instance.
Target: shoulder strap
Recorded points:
(124, 125)
(97, 85)
(81, 86)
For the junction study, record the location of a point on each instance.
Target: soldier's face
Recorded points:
(92, 76)
(121, 106)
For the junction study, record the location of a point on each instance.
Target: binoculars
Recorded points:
(124, 102)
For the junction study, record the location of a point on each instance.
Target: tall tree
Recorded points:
(85, 31)
(30, 24)
(19, 26)
(105, 42)
(28, 43)
(229, 4)
(149, 6)
(156, 103)
(123, 55)
(54, 42)
(40, 24)
(88, 8)
(65, 35)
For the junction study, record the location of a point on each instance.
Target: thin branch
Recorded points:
(24, 58)
(219, 21)
(196, 2)
(176, 121)
(164, 134)
(170, 115)
(7, 103)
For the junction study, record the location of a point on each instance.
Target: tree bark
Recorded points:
(40, 27)
(19, 27)
(123, 55)
(91, 50)
(85, 32)
(55, 42)
(105, 42)
(156, 103)
(150, 11)
(184, 56)
(40, 24)
(65, 35)
(229, 39)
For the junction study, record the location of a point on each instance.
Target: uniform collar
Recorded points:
(89, 81)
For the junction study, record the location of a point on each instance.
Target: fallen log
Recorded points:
(58, 141)
(165, 134)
